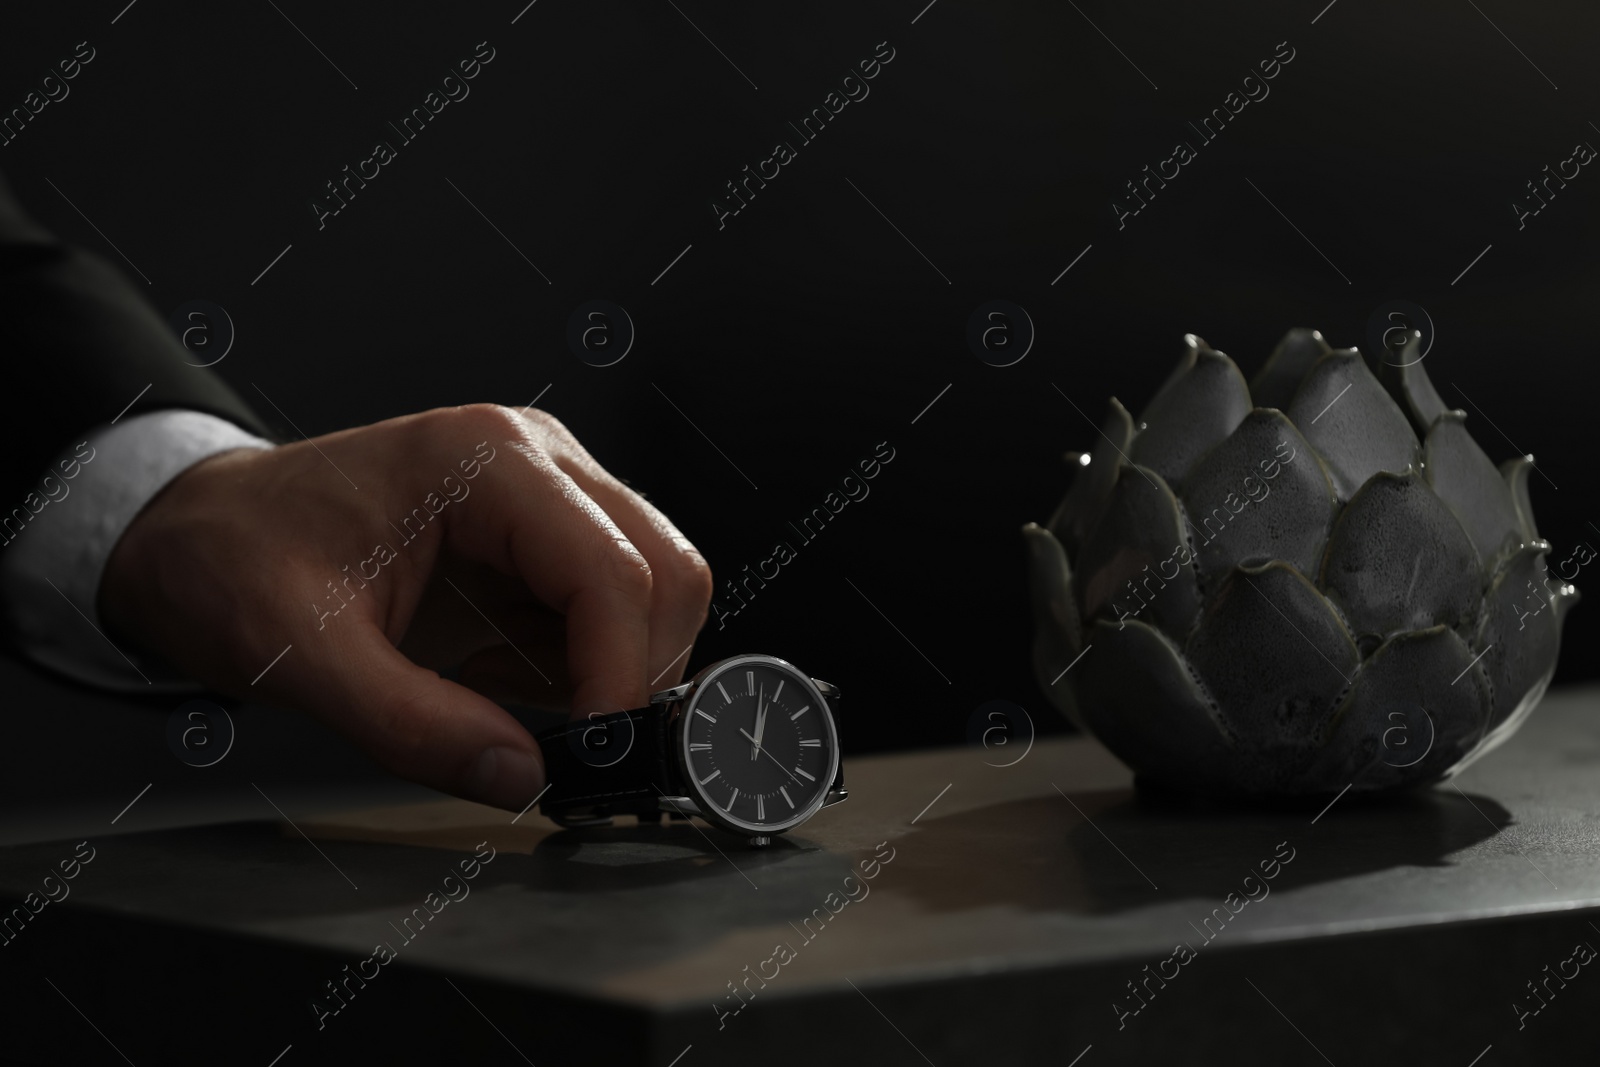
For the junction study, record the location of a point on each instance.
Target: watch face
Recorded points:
(758, 745)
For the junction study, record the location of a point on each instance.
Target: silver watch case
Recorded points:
(682, 699)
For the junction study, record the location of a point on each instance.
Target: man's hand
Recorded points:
(474, 535)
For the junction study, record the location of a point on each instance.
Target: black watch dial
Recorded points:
(759, 745)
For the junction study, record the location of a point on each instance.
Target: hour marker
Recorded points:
(778, 690)
(810, 743)
(799, 713)
(726, 699)
(785, 793)
(708, 777)
(729, 805)
(761, 809)
(706, 715)
(750, 683)
(804, 775)
(698, 746)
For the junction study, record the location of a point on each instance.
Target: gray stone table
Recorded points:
(1019, 914)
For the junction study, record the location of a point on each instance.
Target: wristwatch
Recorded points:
(750, 744)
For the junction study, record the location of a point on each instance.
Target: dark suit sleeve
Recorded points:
(78, 341)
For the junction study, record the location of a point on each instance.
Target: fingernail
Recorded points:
(505, 777)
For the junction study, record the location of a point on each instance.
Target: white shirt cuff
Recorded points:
(54, 546)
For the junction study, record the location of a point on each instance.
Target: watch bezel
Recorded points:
(709, 810)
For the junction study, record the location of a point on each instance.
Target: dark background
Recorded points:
(808, 330)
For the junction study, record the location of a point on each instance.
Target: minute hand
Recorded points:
(761, 725)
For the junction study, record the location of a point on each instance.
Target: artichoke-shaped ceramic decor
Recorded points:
(1311, 581)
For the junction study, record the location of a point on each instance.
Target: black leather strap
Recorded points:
(608, 765)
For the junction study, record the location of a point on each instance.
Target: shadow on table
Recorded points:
(1086, 853)
(629, 857)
